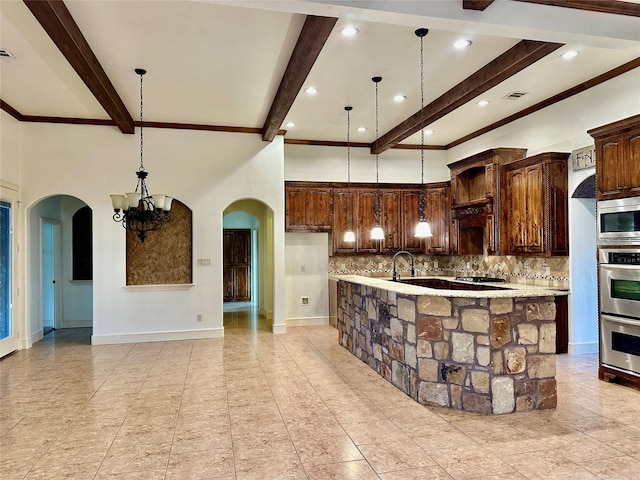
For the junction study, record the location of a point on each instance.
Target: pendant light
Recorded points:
(423, 229)
(349, 235)
(139, 211)
(377, 233)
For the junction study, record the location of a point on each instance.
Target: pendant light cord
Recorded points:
(141, 138)
(348, 147)
(378, 207)
(422, 112)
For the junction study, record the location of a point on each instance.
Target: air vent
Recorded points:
(515, 95)
(4, 53)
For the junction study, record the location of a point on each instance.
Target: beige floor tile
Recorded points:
(375, 431)
(614, 468)
(395, 455)
(317, 450)
(200, 464)
(469, 462)
(354, 470)
(547, 465)
(135, 457)
(273, 440)
(430, 473)
(275, 467)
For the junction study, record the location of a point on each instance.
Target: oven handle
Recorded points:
(623, 321)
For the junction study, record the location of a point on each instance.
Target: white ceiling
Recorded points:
(221, 62)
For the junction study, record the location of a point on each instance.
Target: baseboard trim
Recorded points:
(157, 336)
(583, 348)
(307, 321)
(279, 328)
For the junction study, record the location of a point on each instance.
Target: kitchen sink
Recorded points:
(448, 284)
(480, 279)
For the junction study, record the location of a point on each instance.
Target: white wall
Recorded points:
(9, 149)
(205, 170)
(307, 264)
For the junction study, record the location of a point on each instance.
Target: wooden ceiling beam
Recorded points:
(57, 21)
(479, 5)
(11, 111)
(514, 60)
(313, 36)
(602, 6)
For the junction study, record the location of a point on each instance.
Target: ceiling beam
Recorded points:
(514, 60)
(313, 36)
(11, 111)
(57, 21)
(602, 6)
(476, 4)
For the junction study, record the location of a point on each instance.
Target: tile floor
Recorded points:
(295, 406)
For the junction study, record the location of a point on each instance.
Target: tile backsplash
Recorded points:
(543, 271)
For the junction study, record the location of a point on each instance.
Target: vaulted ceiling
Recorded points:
(244, 65)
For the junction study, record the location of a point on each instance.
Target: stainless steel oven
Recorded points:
(619, 221)
(620, 308)
(620, 282)
(620, 341)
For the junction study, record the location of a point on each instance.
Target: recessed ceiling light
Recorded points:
(290, 125)
(362, 129)
(399, 98)
(569, 55)
(483, 103)
(349, 31)
(311, 90)
(428, 131)
(462, 43)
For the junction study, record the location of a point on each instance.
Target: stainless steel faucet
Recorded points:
(413, 272)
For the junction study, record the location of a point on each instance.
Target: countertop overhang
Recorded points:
(511, 290)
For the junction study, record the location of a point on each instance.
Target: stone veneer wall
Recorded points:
(480, 355)
(542, 271)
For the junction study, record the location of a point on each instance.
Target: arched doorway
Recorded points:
(248, 264)
(60, 269)
(583, 328)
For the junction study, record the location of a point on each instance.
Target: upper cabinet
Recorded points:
(617, 158)
(536, 205)
(308, 208)
(477, 218)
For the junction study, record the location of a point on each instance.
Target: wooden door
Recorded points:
(366, 203)
(517, 205)
(296, 200)
(632, 163)
(237, 265)
(390, 220)
(558, 209)
(410, 218)
(438, 217)
(609, 168)
(343, 210)
(535, 211)
(320, 211)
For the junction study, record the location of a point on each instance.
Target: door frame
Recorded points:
(57, 271)
(9, 193)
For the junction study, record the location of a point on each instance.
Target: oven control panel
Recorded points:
(623, 258)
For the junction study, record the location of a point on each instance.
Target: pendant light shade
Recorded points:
(423, 229)
(349, 235)
(377, 233)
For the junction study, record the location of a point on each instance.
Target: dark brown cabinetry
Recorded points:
(410, 218)
(308, 208)
(438, 206)
(477, 217)
(344, 218)
(617, 159)
(536, 205)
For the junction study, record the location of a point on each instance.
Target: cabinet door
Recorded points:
(517, 205)
(632, 163)
(296, 209)
(490, 180)
(438, 211)
(535, 201)
(410, 218)
(319, 213)
(390, 220)
(365, 205)
(343, 211)
(609, 167)
(557, 236)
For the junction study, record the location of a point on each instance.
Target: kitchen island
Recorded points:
(489, 351)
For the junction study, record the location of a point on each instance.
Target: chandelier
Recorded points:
(349, 235)
(377, 233)
(423, 229)
(139, 211)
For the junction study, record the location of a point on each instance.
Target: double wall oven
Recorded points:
(620, 308)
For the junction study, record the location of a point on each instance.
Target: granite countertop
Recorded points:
(510, 289)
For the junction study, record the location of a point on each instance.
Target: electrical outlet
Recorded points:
(303, 268)
(204, 262)
(304, 300)
(199, 317)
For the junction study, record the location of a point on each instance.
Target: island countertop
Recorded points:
(507, 290)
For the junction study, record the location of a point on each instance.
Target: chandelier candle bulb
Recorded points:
(167, 203)
(117, 201)
(158, 201)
